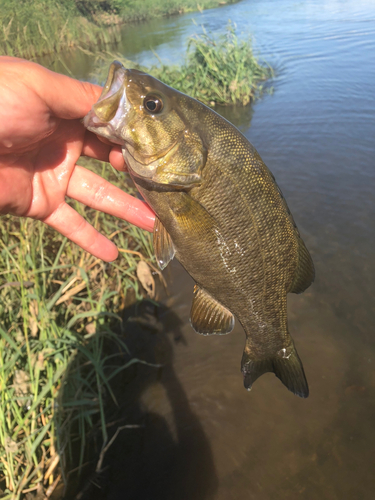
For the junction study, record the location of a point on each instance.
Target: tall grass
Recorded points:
(32, 29)
(57, 304)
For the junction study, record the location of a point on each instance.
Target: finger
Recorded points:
(70, 98)
(92, 190)
(97, 147)
(105, 140)
(94, 148)
(72, 225)
(116, 159)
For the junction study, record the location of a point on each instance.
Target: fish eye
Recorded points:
(153, 103)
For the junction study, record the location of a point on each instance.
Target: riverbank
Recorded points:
(38, 28)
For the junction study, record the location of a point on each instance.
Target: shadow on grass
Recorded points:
(161, 451)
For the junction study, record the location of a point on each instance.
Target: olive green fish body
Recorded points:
(221, 213)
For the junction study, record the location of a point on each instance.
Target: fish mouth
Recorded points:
(107, 114)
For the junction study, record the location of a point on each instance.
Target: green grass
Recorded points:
(58, 306)
(31, 29)
(219, 70)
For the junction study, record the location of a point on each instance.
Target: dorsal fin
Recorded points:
(163, 244)
(208, 316)
(305, 272)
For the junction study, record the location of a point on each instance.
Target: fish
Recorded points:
(218, 210)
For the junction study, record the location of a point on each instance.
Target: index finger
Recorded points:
(92, 190)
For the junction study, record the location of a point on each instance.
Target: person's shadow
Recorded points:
(164, 453)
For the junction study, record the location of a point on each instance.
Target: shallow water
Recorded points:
(206, 437)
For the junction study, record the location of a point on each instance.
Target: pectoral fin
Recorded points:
(208, 316)
(163, 245)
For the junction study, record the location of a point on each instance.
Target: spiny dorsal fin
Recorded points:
(208, 316)
(305, 272)
(285, 364)
(163, 245)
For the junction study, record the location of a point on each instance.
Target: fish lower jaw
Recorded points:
(105, 130)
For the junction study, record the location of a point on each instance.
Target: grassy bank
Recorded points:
(31, 29)
(58, 306)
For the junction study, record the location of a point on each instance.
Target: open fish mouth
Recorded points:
(108, 113)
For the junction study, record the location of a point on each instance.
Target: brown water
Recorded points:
(204, 436)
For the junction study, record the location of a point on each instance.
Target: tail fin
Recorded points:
(286, 365)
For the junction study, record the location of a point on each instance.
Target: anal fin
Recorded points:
(163, 244)
(208, 316)
(305, 272)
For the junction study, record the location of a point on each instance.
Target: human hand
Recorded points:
(41, 139)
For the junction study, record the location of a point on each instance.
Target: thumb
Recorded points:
(69, 98)
(66, 97)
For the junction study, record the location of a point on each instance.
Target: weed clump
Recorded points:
(219, 70)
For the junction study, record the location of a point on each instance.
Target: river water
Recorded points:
(204, 436)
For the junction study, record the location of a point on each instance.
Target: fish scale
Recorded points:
(219, 211)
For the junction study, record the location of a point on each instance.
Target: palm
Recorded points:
(40, 143)
(53, 164)
(43, 172)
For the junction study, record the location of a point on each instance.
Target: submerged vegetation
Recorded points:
(58, 310)
(31, 29)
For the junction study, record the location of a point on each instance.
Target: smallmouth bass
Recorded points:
(218, 210)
